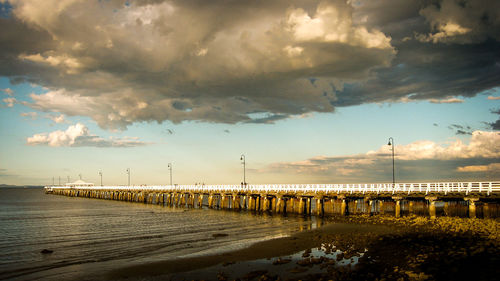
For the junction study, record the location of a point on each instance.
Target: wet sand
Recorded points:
(350, 248)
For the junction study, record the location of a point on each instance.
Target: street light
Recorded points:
(128, 173)
(100, 174)
(170, 169)
(242, 158)
(391, 143)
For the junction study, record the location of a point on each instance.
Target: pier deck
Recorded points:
(320, 199)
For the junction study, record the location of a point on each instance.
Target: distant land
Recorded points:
(20, 186)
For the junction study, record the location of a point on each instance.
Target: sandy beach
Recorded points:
(350, 248)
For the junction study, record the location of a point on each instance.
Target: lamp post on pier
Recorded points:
(243, 161)
(391, 143)
(100, 174)
(170, 169)
(128, 173)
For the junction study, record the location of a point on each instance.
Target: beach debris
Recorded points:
(298, 269)
(217, 235)
(46, 251)
(221, 276)
(306, 253)
(253, 274)
(281, 261)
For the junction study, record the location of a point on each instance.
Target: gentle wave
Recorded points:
(110, 234)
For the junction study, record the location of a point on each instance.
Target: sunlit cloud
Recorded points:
(9, 102)
(448, 100)
(78, 135)
(493, 167)
(420, 156)
(58, 119)
(31, 115)
(8, 91)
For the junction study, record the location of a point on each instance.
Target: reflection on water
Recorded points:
(89, 236)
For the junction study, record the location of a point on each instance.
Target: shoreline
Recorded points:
(374, 245)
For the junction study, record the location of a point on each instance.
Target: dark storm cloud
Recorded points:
(461, 130)
(222, 61)
(495, 125)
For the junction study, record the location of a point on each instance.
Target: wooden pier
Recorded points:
(318, 199)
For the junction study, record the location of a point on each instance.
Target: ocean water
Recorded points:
(90, 237)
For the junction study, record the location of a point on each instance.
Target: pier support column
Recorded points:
(251, 203)
(236, 202)
(184, 199)
(200, 200)
(411, 207)
(320, 211)
(290, 205)
(210, 200)
(177, 199)
(244, 203)
(166, 199)
(328, 206)
(344, 207)
(272, 201)
(264, 203)
(308, 205)
(300, 209)
(280, 205)
(223, 202)
(432, 206)
(370, 207)
(397, 209)
(472, 206)
(486, 210)
(381, 207)
(446, 208)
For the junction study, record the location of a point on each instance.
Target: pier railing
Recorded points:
(444, 188)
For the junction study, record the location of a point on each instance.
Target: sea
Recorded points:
(91, 237)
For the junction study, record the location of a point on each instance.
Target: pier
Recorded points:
(473, 199)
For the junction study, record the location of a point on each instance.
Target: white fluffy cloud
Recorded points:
(9, 102)
(31, 115)
(79, 135)
(448, 159)
(493, 167)
(483, 144)
(8, 91)
(57, 118)
(447, 100)
(332, 22)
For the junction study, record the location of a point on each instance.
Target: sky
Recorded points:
(307, 91)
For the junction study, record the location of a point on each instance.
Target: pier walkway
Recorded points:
(320, 199)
